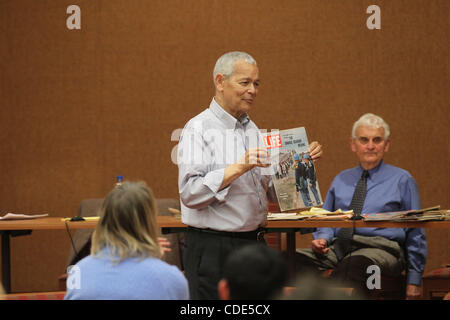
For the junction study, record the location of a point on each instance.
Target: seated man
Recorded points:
(371, 187)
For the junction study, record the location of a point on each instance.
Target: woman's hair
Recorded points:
(127, 223)
(371, 120)
(225, 64)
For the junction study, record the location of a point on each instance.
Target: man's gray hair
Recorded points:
(371, 120)
(225, 64)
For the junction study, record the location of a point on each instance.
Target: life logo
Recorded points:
(273, 141)
(73, 277)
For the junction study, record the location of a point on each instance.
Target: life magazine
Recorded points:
(293, 172)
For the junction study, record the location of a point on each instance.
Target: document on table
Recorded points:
(285, 216)
(14, 216)
(431, 213)
(312, 214)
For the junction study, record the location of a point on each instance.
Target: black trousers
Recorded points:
(204, 259)
(350, 272)
(352, 269)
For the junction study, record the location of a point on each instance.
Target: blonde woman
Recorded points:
(125, 254)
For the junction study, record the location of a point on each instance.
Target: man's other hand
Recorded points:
(315, 150)
(413, 292)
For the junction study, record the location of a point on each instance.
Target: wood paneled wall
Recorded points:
(79, 107)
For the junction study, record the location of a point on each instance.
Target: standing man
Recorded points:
(222, 186)
(371, 187)
(312, 178)
(301, 181)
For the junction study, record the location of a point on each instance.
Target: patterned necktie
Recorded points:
(344, 237)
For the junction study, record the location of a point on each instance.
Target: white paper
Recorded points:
(14, 216)
(284, 216)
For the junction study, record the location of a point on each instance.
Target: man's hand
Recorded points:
(320, 246)
(413, 292)
(255, 157)
(315, 150)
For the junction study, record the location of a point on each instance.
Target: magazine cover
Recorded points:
(293, 171)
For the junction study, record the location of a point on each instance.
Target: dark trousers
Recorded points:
(350, 272)
(352, 269)
(204, 258)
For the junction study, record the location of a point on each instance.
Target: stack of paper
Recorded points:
(384, 216)
(426, 214)
(434, 215)
(322, 214)
(313, 214)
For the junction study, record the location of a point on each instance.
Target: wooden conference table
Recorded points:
(170, 224)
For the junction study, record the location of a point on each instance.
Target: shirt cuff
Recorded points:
(213, 181)
(414, 277)
(323, 235)
(307, 230)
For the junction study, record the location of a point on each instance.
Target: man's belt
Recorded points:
(257, 234)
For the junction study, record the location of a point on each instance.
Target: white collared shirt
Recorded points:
(209, 143)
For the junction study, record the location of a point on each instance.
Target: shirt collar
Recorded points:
(229, 121)
(373, 171)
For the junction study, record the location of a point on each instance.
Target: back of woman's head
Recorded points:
(127, 223)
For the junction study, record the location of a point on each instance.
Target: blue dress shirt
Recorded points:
(388, 189)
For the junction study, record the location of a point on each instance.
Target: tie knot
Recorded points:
(365, 174)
